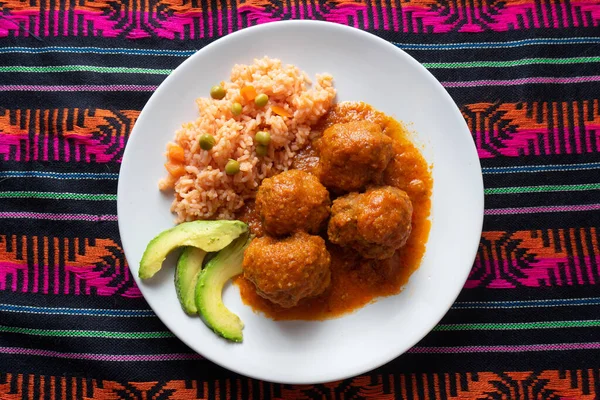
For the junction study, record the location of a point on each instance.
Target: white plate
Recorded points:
(364, 68)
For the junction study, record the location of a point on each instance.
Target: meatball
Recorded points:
(375, 223)
(288, 270)
(291, 201)
(403, 170)
(353, 154)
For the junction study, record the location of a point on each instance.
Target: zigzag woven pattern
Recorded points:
(194, 20)
(53, 265)
(89, 135)
(572, 384)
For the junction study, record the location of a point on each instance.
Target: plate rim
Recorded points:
(385, 357)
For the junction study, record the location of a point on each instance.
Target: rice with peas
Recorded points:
(205, 191)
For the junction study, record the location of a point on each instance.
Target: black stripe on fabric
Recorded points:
(514, 94)
(30, 260)
(82, 78)
(491, 338)
(493, 181)
(519, 315)
(215, 30)
(57, 167)
(407, 363)
(127, 100)
(535, 161)
(162, 67)
(492, 201)
(171, 62)
(454, 316)
(442, 386)
(47, 387)
(541, 220)
(25, 387)
(541, 199)
(588, 240)
(122, 100)
(59, 206)
(244, 389)
(469, 74)
(97, 346)
(420, 386)
(61, 261)
(255, 388)
(453, 388)
(466, 296)
(409, 386)
(102, 229)
(525, 293)
(570, 125)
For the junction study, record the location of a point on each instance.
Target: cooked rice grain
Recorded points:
(205, 191)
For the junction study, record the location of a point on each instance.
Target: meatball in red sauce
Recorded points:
(375, 223)
(352, 155)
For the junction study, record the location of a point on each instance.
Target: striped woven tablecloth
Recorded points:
(74, 76)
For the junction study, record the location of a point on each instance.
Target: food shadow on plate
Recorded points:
(297, 330)
(167, 272)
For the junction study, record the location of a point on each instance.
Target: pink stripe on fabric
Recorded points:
(522, 81)
(100, 357)
(505, 349)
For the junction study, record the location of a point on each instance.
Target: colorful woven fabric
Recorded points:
(74, 76)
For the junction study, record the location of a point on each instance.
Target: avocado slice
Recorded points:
(206, 235)
(209, 300)
(187, 272)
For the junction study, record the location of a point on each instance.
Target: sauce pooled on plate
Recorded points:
(356, 281)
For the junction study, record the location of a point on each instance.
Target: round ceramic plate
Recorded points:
(365, 68)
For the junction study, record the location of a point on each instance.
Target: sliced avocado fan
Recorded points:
(187, 272)
(209, 289)
(209, 236)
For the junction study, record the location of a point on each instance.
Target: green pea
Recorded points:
(232, 167)
(236, 109)
(207, 141)
(263, 137)
(262, 150)
(217, 92)
(261, 100)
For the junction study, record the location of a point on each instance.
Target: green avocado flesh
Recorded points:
(209, 236)
(187, 272)
(209, 301)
